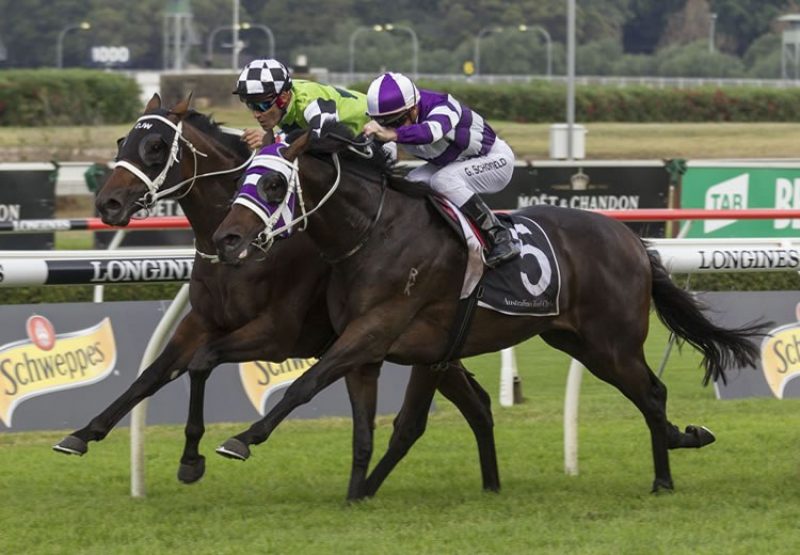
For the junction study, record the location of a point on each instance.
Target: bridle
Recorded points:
(264, 240)
(155, 192)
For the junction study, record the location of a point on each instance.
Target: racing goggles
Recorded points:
(391, 120)
(258, 106)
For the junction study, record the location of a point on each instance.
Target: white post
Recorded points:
(508, 371)
(138, 415)
(571, 418)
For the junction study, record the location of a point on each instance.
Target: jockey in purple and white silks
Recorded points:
(464, 155)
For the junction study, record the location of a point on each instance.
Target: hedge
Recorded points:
(543, 102)
(84, 293)
(45, 97)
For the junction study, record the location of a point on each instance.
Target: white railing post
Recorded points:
(571, 400)
(160, 336)
(508, 374)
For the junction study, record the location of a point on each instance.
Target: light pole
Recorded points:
(245, 26)
(389, 27)
(352, 43)
(712, 29)
(477, 54)
(522, 28)
(549, 44)
(210, 42)
(236, 44)
(83, 25)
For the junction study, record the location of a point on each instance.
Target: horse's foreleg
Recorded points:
(409, 424)
(168, 365)
(259, 339)
(193, 464)
(475, 404)
(357, 346)
(256, 340)
(362, 388)
(302, 390)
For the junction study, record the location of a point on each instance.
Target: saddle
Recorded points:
(526, 286)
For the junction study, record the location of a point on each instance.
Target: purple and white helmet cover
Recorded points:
(391, 93)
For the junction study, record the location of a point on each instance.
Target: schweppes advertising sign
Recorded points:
(780, 357)
(46, 362)
(261, 379)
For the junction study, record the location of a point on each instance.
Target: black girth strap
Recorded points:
(461, 324)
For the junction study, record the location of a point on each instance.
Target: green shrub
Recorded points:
(46, 97)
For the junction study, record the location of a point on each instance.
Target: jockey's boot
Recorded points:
(499, 246)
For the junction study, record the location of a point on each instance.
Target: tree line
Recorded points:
(620, 37)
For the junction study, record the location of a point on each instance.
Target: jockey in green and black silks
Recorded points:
(276, 100)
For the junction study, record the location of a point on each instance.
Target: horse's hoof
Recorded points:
(71, 445)
(190, 473)
(234, 449)
(704, 435)
(662, 486)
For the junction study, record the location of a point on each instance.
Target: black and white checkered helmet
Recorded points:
(266, 76)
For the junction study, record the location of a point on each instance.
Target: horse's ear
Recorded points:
(298, 146)
(182, 107)
(153, 104)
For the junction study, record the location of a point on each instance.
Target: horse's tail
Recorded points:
(682, 314)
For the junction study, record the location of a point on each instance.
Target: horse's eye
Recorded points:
(152, 150)
(271, 187)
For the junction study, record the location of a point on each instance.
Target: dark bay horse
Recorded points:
(255, 311)
(395, 290)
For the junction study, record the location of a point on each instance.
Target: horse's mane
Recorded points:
(334, 137)
(206, 125)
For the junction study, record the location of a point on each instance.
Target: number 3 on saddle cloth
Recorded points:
(528, 285)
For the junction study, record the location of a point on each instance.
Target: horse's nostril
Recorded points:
(109, 205)
(231, 240)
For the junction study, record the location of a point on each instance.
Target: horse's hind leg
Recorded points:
(409, 424)
(620, 362)
(455, 383)
(362, 388)
(474, 402)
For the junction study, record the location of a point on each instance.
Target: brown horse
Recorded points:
(253, 311)
(397, 286)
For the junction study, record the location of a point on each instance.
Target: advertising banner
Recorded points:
(779, 362)
(716, 186)
(589, 185)
(27, 192)
(62, 364)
